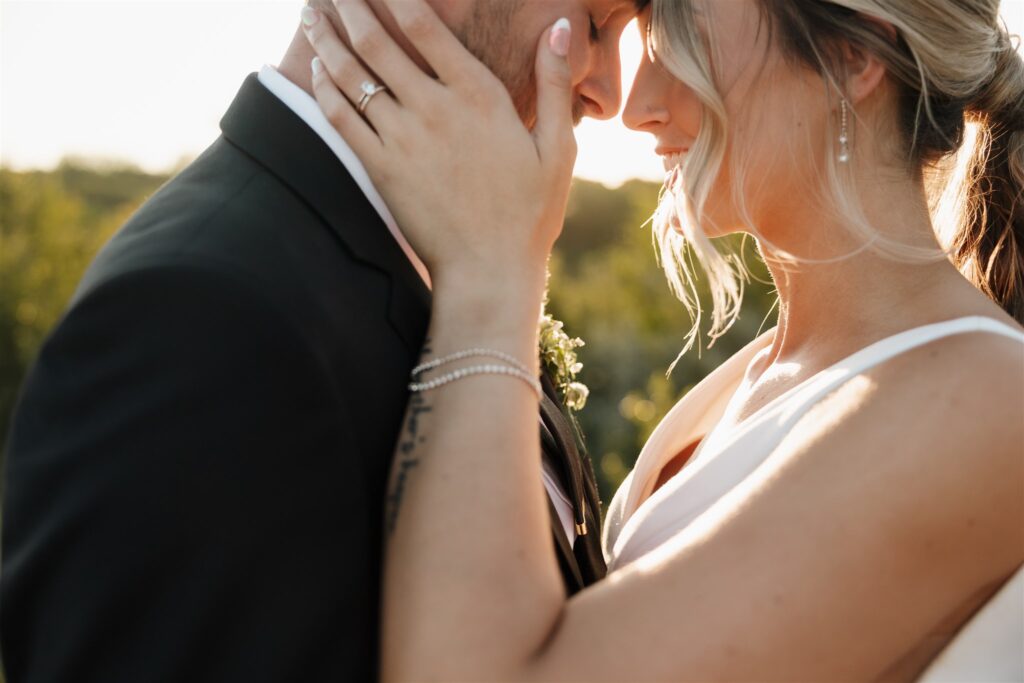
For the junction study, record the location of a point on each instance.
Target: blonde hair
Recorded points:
(956, 72)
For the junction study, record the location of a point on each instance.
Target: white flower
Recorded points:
(576, 396)
(558, 352)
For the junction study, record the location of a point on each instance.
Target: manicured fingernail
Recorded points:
(309, 16)
(561, 36)
(316, 65)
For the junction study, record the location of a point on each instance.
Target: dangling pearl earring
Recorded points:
(844, 136)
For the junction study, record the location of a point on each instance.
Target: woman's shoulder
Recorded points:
(929, 444)
(958, 382)
(968, 385)
(955, 404)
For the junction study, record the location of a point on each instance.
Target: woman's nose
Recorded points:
(646, 108)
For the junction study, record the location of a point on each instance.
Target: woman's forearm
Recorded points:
(470, 567)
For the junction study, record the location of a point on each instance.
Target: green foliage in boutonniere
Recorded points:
(558, 353)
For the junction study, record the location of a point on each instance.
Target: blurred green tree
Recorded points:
(51, 226)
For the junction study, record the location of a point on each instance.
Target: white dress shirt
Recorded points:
(307, 109)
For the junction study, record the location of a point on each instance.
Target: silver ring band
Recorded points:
(370, 90)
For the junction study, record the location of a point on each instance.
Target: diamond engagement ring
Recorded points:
(370, 89)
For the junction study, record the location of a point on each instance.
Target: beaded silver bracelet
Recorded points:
(469, 353)
(461, 373)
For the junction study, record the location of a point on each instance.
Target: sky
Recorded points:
(147, 81)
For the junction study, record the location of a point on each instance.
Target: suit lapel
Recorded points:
(578, 477)
(566, 557)
(263, 127)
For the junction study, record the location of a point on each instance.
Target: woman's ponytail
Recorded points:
(989, 248)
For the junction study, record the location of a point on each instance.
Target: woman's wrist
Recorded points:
(505, 289)
(494, 312)
(487, 313)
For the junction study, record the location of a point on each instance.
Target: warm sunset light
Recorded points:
(147, 81)
(290, 398)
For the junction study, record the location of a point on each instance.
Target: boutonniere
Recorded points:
(558, 354)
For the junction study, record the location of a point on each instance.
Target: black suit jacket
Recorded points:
(196, 470)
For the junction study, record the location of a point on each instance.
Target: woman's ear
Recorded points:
(865, 71)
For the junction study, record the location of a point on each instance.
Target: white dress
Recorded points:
(989, 648)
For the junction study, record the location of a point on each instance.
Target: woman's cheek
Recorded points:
(686, 110)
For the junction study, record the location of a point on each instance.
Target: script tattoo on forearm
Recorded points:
(408, 458)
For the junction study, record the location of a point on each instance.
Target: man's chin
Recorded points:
(578, 111)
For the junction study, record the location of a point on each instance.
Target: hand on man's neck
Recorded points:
(295, 65)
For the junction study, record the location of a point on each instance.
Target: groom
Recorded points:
(196, 472)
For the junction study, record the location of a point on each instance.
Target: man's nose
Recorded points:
(600, 91)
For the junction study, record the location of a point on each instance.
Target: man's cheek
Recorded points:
(579, 53)
(453, 12)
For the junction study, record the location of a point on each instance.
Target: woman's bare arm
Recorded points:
(468, 529)
(882, 512)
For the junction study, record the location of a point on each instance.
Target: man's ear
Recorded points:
(454, 13)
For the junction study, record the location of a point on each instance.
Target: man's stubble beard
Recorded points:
(490, 35)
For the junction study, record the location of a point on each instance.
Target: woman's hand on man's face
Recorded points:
(479, 197)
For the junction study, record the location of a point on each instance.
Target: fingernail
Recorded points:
(309, 16)
(316, 65)
(561, 36)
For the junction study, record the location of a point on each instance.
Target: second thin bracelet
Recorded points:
(418, 387)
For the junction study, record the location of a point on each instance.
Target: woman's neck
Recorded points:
(854, 296)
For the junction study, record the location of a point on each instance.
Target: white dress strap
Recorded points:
(806, 395)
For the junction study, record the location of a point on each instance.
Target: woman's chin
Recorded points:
(672, 162)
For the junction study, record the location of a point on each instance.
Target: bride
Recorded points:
(838, 499)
